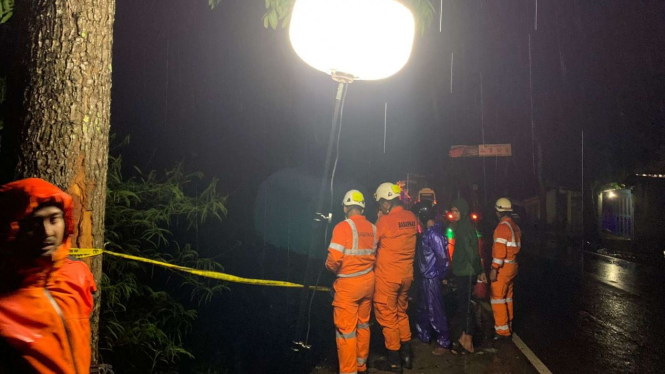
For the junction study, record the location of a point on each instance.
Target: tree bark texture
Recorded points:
(63, 131)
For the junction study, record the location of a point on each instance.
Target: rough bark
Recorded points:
(64, 125)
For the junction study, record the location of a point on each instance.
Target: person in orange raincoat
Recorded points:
(397, 229)
(45, 297)
(507, 244)
(351, 256)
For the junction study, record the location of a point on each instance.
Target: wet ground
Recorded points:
(504, 358)
(586, 313)
(578, 312)
(490, 358)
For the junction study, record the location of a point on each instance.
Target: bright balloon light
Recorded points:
(368, 39)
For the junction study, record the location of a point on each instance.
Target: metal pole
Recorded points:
(321, 219)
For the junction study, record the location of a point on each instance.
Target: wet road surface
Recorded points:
(592, 314)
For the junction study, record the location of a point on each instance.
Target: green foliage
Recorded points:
(6, 10)
(280, 11)
(142, 325)
(213, 3)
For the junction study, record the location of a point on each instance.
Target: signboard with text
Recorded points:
(495, 150)
(481, 150)
(463, 151)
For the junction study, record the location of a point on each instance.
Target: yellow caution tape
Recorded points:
(85, 252)
(89, 252)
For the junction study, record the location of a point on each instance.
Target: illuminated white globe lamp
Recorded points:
(350, 40)
(355, 39)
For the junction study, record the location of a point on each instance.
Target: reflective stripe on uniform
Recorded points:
(360, 252)
(498, 301)
(376, 242)
(500, 240)
(511, 243)
(510, 261)
(503, 327)
(509, 300)
(362, 361)
(363, 325)
(345, 336)
(348, 372)
(337, 247)
(362, 272)
(497, 261)
(354, 231)
(355, 251)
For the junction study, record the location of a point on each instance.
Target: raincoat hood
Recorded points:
(19, 199)
(45, 304)
(466, 260)
(462, 206)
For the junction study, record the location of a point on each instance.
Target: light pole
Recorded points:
(350, 40)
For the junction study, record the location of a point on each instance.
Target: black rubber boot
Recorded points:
(394, 362)
(407, 358)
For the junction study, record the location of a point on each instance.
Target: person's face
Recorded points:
(456, 214)
(384, 206)
(43, 232)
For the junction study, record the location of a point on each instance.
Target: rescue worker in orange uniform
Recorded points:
(45, 297)
(507, 244)
(351, 256)
(397, 229)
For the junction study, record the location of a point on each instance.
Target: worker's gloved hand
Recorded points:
(482, 278)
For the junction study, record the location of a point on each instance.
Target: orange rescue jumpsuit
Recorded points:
(394, 274)
(351, 255)
(507, 244)
(45, 319)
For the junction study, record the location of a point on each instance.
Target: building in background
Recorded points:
(563, 210)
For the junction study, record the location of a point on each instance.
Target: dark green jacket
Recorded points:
(466, 259)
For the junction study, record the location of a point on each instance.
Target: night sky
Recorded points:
(232, 99)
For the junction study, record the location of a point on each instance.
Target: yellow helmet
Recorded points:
(503, 205)
(354, 197)
(388, 191)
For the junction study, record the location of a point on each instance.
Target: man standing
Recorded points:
(351, 256)
(433, 264)
(45, 297)
(397, 230)
(507, 244)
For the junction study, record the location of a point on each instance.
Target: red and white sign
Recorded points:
(463, 151)
(495, 150)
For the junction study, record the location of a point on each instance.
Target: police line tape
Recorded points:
(89, 252)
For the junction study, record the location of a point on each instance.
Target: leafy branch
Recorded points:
(144, 316)
(6, 10)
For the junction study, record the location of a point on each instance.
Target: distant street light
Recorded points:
(350, 40)
(360, 39)
(611, 195)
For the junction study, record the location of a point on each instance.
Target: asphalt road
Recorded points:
(584, 313)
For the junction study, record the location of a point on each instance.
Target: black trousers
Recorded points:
(465, 312)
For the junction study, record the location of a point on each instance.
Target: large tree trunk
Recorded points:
(63, 128)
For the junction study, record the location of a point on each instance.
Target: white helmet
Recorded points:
(388, 191)
(354, 197)
(503, 205)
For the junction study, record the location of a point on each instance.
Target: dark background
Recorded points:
(216, 90)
